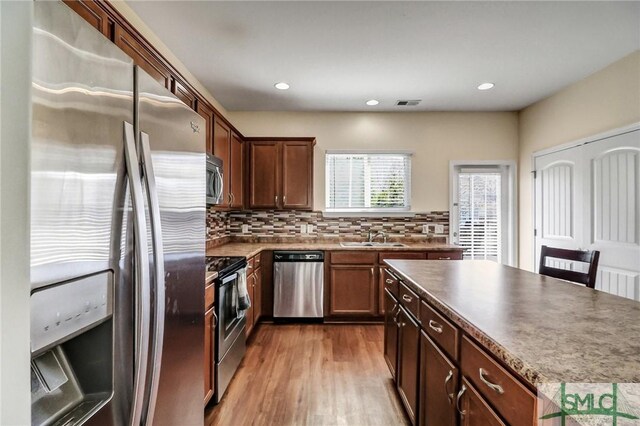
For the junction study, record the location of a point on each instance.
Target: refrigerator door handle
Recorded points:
(157, 338)
(143, 292)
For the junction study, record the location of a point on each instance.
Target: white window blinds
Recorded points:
(480, 211)
(368, 181)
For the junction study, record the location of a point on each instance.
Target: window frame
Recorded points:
(365, 210)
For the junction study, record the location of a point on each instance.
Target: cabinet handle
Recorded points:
(233, 198)
(446, 386)
(445, 258)
(395, 319)
(276, 201)
(462, 391)
(493, 386)
(407, 298)
(215, 317)
(229, 197)
(388, 281)
(284, 200)
(435, 326)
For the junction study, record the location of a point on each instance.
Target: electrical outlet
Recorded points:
(309, 229)
(425, 229)
(245, 229)
(439, 229)
(303, 229)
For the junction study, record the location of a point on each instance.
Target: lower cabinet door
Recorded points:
(438, 385)
(391, 332)
(474, 410)
(209, 354)
(251, 279)
(407, 376)
(353, 290)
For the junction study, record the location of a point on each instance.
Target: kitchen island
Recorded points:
(500, 332)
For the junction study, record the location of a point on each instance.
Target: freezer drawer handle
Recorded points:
(143, 291)
(157, 338)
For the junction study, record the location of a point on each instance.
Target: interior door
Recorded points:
(587, 198)
(613, 192)
(559, 195)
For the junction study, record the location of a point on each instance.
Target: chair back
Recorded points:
(590, 257)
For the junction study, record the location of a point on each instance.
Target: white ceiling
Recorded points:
(337, 55)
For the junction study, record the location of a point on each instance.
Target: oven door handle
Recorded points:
(228, 278)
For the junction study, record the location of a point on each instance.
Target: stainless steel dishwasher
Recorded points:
(298, 280)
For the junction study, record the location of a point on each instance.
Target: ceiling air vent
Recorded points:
(412, 102)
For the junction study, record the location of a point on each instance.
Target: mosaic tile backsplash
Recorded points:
(287, 224)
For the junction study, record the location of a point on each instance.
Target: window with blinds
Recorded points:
(368, 181)
(479, 214)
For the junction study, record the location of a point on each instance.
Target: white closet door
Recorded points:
(613, 197)
(588, 198)
(559, 192)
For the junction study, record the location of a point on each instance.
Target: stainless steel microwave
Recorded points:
(214, 180)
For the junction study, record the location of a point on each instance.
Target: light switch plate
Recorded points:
(309, 229)
(439, 229)
(425, 229)
(303, 229)
(245, 229)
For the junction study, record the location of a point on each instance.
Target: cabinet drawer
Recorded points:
(401, 255)
(410, 300)
(513, 401)
(444, 333)
(209, 295)
(250, 265)
(354, 257)
(256, 261)
(391, 284)
(444, 255)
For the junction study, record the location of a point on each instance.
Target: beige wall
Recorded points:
(435, 138)
(603, 101)
(138, 24)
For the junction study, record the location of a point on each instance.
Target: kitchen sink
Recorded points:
(368, 244)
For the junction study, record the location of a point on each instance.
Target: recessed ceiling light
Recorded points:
(486, 86)
(281, 86)
(372, 102)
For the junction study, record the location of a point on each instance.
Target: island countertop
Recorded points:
(545, 329)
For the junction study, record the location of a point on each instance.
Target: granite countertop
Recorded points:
(545, 329)
(251, 249)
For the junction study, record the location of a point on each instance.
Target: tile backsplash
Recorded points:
(287, 224)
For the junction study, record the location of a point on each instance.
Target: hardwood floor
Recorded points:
(311, 374)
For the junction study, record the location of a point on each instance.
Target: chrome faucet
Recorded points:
(372, 237)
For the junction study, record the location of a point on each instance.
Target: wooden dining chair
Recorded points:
(587, 278)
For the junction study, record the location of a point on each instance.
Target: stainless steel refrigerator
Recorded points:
(118, 174)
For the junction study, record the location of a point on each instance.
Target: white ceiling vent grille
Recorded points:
(412, 102)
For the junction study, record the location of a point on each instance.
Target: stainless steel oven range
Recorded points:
(230, 340)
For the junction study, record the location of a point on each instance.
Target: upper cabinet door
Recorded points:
(93, 14)
(264, 162)
(237, 172)
(297, 175)
(182, 93)
(207, 114)
(142, 56)
(221, 142)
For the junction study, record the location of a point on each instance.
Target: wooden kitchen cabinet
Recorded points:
(236, 163)
(209, 354)
(221, 149)
(142, 56)
(408, 363)
(91, 12)
(263, 175)
(281, 174)
(297, 175)
(353, 290)
(391, 332)
(257, 295)
(438, 385)
(207, 113)
(183, 93)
